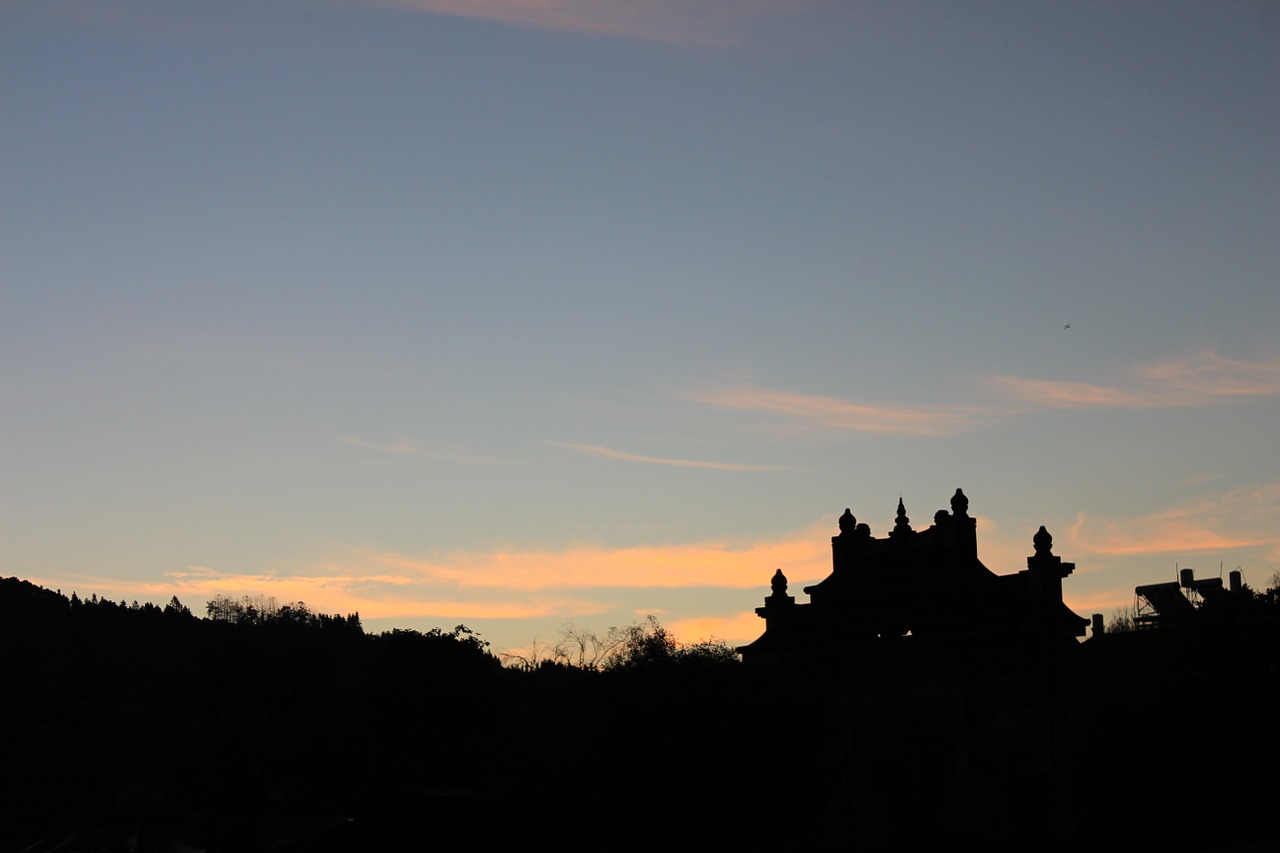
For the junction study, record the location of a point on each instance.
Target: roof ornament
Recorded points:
(903, 525)
(779, 598)
(959, 504)
(848, 524)
(1043, 542)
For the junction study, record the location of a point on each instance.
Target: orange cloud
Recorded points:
(1211, 375)
(568, 583)
(1106, 602)
(734, 630)
(706, 22)
(374, 596)
(714, 564)
(609, 453)
(1202, 379)
(1077, 395)
(842, 414)
(1239, 519)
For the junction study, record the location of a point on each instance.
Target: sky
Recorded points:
(526, 313)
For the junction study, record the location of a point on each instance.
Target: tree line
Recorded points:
(215, 729)
(264, 725)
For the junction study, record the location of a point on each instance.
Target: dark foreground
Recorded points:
(150, 729)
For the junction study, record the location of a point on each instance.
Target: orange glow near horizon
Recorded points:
(494, 585)
(740, 629)
(584, 581)
(713, 564)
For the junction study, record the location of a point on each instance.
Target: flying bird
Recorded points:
(1068, 326)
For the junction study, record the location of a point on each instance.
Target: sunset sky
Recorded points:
(519, 313)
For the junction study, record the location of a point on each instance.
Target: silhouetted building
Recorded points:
(1180, 602)
(943, 685)
(922, 584)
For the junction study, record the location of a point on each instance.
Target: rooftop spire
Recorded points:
(903, 525)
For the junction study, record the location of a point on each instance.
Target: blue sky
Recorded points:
(515, 314)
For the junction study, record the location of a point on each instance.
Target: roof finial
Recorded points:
(779, 598)
(847, 523)
(903, 525)
(1042, 541)
(959, 504)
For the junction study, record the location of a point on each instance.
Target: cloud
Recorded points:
(1213, 376)
(838, 413)
(373, 595)
(705, 22)
(510, 584)
(608, 453)
(1076, 395)
(735, 630)
(411, 449)
(1199, 479)
(1105, 602)
(710, 564)
(1243, 518)
(1202, 379)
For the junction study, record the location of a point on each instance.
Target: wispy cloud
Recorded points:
(708, 564)
(705, 22)
(1242, 518)
(1214, 376)
(411, 449)
(1077, 395)
(838, 413)
(609, 453)
(1199, 479)
(510, 584)
(1203, 379)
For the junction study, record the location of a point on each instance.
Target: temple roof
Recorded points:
(926, 582)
